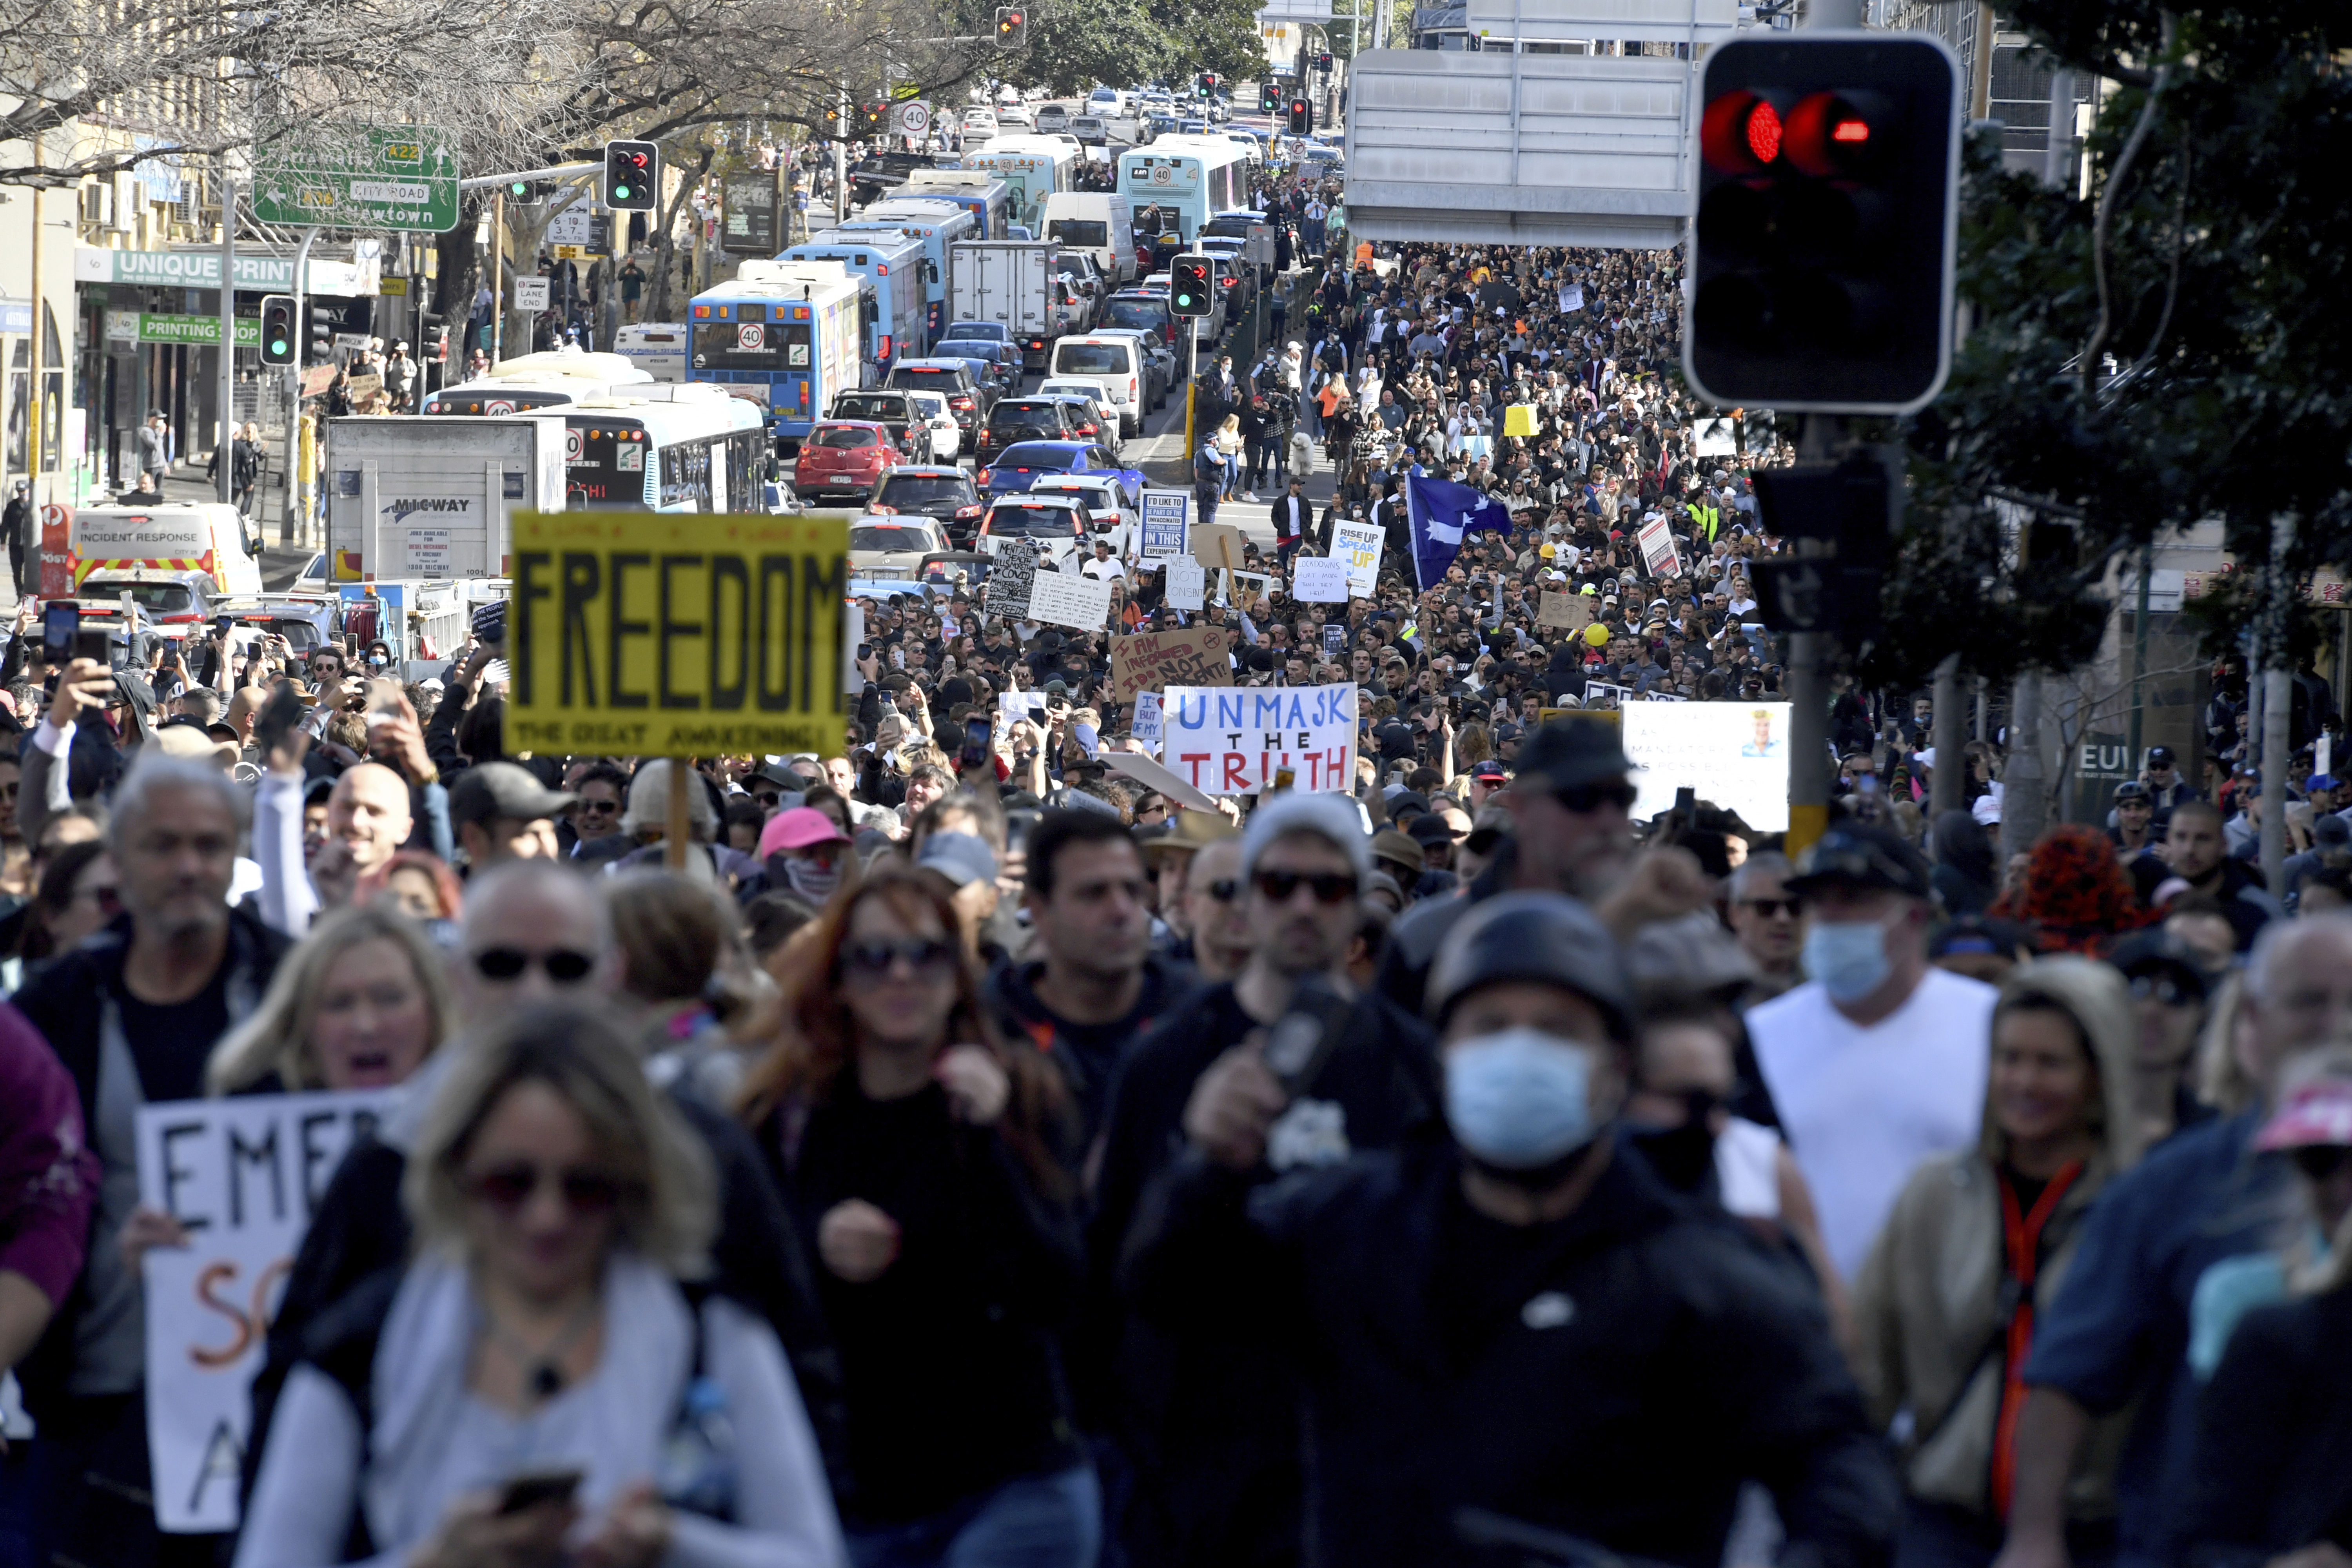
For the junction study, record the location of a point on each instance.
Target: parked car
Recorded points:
(882, 546)
(1057, 524)
(844, 457)
(1024, 463)
(1023, 419)
(941, 491)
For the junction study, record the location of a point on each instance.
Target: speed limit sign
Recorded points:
(750, 335)
(915, 118)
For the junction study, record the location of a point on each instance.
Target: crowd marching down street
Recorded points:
(995, 1142)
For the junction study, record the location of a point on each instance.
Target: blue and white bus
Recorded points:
(703, 452)
(1192, 178)
(787, 336)
(978, 192)
(1034, 167)
(895, 264)
(939, 224)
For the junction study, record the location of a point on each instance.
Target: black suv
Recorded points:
(1023, 419)
(945, 495)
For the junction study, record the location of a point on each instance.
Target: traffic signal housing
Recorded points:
(632, 175)
(281, 330)
(1827, 213)
(1302, 115)
(529, 192)
(1270, 98)
(1011, 27)
(1192, 286)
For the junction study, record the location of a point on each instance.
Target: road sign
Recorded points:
(393, 177)
(142, 327)
(530, 293)
(915, 119)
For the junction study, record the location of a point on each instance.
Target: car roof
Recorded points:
(1059, 500)
(1100, 478)
(1042, 448)
(932, 362)
(927, 471)
(853, 425)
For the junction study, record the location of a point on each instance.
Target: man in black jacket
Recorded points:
(1519, 1329)
(134, 1015)
(1291, 515)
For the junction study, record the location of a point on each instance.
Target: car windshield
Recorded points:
(986, 332)
(1031, 520)
(908, 490)
(889, 536)
(842, 436)
(1144, 313)
(159, 598)
(1025, 413)
(866, 405)
(929, 374)
(1092, 359)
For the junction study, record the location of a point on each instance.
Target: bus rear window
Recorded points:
(750, 345)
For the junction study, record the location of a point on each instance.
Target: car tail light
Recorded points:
(885, 345)
(959, 402)
(983, 475)
(964, 512)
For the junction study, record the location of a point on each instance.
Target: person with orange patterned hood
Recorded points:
(2076, 896)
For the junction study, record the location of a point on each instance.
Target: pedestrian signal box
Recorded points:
(1822, 261)
(1190, 286)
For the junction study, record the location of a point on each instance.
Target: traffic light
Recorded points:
(1190, 286)
(1012, 27)
(833, 119)
(1837, 518)
(1323, 62)
(1821, 267)
(874, 117)
(1302, 115)
(1270, 98)
(280, 329)
(632, 175)
(529, 192)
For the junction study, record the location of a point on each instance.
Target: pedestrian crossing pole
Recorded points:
(1191, 385)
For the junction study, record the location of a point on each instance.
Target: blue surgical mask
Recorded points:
(1519, 1099)
(1848, 957)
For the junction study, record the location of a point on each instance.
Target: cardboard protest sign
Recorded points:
(1144, 770)
(1166, 518)
(1016, 705)
(1656, 538)
(1145, 723)
(1066, 599)
(1154, 661)
(1359, 545)
(1010, 577)
(1234, 741)
(242, 1175)
(1185, 583)
(671, 634)
(1334, 640)
(1572, 612)
(1318, 580)
(1216, 544)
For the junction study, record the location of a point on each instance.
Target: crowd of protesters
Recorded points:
(962, 1153)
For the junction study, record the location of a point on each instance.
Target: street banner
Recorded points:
(678, 635)
(1154, 661)
(1234, 741)
(1185, 583)
(1145, 726)
(242, 1176)
(1656, 538)
(1166, 518)
(1735, 755)
(1572, 611)
(1010, 573)
(1067, 599)
(1359, 545)
(1318, 580)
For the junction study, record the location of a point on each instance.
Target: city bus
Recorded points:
(939, 224)
(1189, 178)
(895, 264)
(978, 192)
(707, 453)
(1033, 168)
(545, 380)
(786, 335)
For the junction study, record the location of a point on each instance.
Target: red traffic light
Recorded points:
(1830, 135)
(1740, 133)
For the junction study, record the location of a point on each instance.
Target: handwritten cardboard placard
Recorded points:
(1066, 599)
(1154, 661)
(1319, 580)
(1572, 612)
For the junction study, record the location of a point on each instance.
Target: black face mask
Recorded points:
(1681, 1156)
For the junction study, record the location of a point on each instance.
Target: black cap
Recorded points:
(1429, 828)
(503, 789)
(1548, 938)
(1571, 752)
(2158, 951)
(2130, 789)
(1863, 856)
(2156, 755)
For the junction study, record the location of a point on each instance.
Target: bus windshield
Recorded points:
(750, 345)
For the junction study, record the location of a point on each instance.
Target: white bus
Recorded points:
(630, 454)
(659, 348)
(1189, 178)
(543, 380)
(1033, 167)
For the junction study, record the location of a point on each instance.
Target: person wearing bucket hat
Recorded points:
(1520, 1245)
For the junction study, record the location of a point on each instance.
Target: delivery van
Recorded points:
(169, 542)
(1099, 222)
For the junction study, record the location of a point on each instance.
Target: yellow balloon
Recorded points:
(1598, 635)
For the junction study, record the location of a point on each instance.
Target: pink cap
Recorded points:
(797, 829)
(2319, 1113)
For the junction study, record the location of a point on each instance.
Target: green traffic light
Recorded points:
(622, 192)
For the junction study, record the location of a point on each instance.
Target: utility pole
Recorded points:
(1810, 654)
(2278, 704)
(497, 278)
(841, 163)
(290, 523)
(223, 456)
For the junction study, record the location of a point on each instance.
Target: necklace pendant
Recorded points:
(546, 1381)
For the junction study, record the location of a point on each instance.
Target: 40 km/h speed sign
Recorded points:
(914, 118)
(750, 336)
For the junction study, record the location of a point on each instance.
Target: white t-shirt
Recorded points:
(1861, 1108)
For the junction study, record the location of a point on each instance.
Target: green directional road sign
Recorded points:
(390, 176)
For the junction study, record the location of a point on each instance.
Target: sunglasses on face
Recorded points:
(2164, 989)
(1329, 887)
(586, 1192)
(921, 954)
(1770, 908)
(767, 798)
(2321, 1162)
(599, 807)
(564, 965)
(1591, 797)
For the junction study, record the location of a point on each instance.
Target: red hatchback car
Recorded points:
(844, 457)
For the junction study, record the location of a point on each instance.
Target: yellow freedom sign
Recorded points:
(676, 634)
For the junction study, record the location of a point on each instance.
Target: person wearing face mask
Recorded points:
(1513, 1322)
(1877, 1062)
(804, 850)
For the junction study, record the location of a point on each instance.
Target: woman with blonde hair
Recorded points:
(917, 1154)
(1978, 1244)
(541, 1383)
(359, 1003)
(685, 963)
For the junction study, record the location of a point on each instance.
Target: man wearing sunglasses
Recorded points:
(1770, 921)
(1209, 1418)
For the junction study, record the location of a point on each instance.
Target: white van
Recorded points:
(164, 555)
(1114, 361)
(1100, 222)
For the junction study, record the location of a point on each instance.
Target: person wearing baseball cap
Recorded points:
(806, 851)
(2166, 787)
(1875, 1025)
(2135, 812)
(501, 811)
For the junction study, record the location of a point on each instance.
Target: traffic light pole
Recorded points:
(1808, 688)
(289, 525)
(1192, 385)
(223, 466)
(498, 278)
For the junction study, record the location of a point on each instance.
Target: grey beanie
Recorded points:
(1332, 816)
